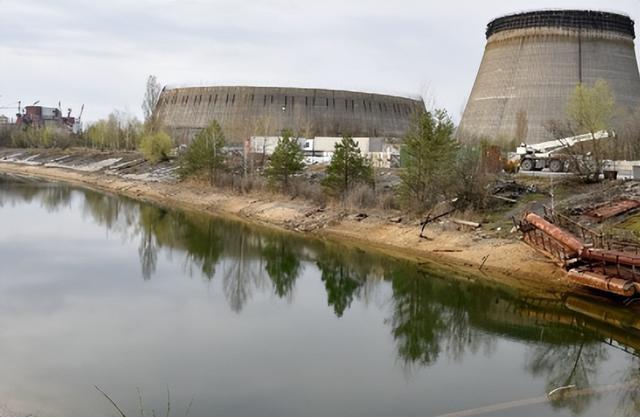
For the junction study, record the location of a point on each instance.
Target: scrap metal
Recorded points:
(613, 209)
(613, 271)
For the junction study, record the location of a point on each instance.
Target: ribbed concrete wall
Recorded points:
(264, 111)
(532, 63)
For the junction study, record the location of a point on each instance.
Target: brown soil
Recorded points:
(504, 261)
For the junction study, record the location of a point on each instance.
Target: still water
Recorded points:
(239, 322)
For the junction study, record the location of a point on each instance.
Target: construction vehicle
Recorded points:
(550, 154)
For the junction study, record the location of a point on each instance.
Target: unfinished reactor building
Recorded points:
(532, 64)
(265, 111)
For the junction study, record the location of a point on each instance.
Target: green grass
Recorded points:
(632, 224)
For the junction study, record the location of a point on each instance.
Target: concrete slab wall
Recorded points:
(263, 111)
(535, 70)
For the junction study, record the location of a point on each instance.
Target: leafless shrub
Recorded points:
(472, 181)
(301, 188)
(360, 197)
(388, 200)
(252, 183)
(226, 180)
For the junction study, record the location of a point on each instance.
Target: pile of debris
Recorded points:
(510, 190)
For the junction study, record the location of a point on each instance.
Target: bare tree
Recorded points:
(151, 97)
(591, 109)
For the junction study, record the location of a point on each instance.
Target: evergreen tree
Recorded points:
(429, 161)
(205, 153)
(347, 168)
(286, 161)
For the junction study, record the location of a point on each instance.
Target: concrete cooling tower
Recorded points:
(247, 111)
(532, 63)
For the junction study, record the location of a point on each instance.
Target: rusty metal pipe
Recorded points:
(574, 246)
(611, 257)
(602, 282)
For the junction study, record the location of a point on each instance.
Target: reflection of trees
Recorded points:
(204, 247)
(417, 321)
(18, 190)
(241, 272)
(431, 314)
(629, 403)
(56, 197)
(116, 214)
(197, 237)
(342, 280)
(149, 224)
(563, 365)
(282, 265)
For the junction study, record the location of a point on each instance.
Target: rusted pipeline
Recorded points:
(613, 209)
(610, 257)
(612, 315)
(602, 282)
(573, 245)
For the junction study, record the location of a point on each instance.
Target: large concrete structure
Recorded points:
(532, 63)
(264, 111)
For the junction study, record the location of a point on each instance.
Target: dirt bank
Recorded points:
(503, 261)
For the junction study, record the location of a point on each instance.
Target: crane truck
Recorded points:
(539, 156)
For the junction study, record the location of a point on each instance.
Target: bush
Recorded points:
(41, 138)
(155, 147)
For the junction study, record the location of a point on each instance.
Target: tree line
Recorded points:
(436, 166)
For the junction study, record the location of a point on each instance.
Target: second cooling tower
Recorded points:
(533, 62)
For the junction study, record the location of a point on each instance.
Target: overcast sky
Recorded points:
(100, 53)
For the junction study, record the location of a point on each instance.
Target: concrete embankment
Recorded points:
(466, 255)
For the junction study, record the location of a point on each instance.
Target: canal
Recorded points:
(233, 321)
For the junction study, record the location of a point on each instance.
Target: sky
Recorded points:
(100, 53)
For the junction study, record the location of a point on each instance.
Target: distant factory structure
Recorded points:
(532, 64)
(244, 112)
(39, 117)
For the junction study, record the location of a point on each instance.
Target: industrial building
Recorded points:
(244, 112)
(532, 64)
(39, 117)
(320, 149)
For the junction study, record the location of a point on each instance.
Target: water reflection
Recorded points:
(282, 264)
(429, 314)
(572, 365)
(629, 403)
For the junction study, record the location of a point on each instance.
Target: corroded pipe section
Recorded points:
(610, 257)
(614, 209)
(571, 243)
(602, 282)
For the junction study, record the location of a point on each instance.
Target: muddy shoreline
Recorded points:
(504, 262)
